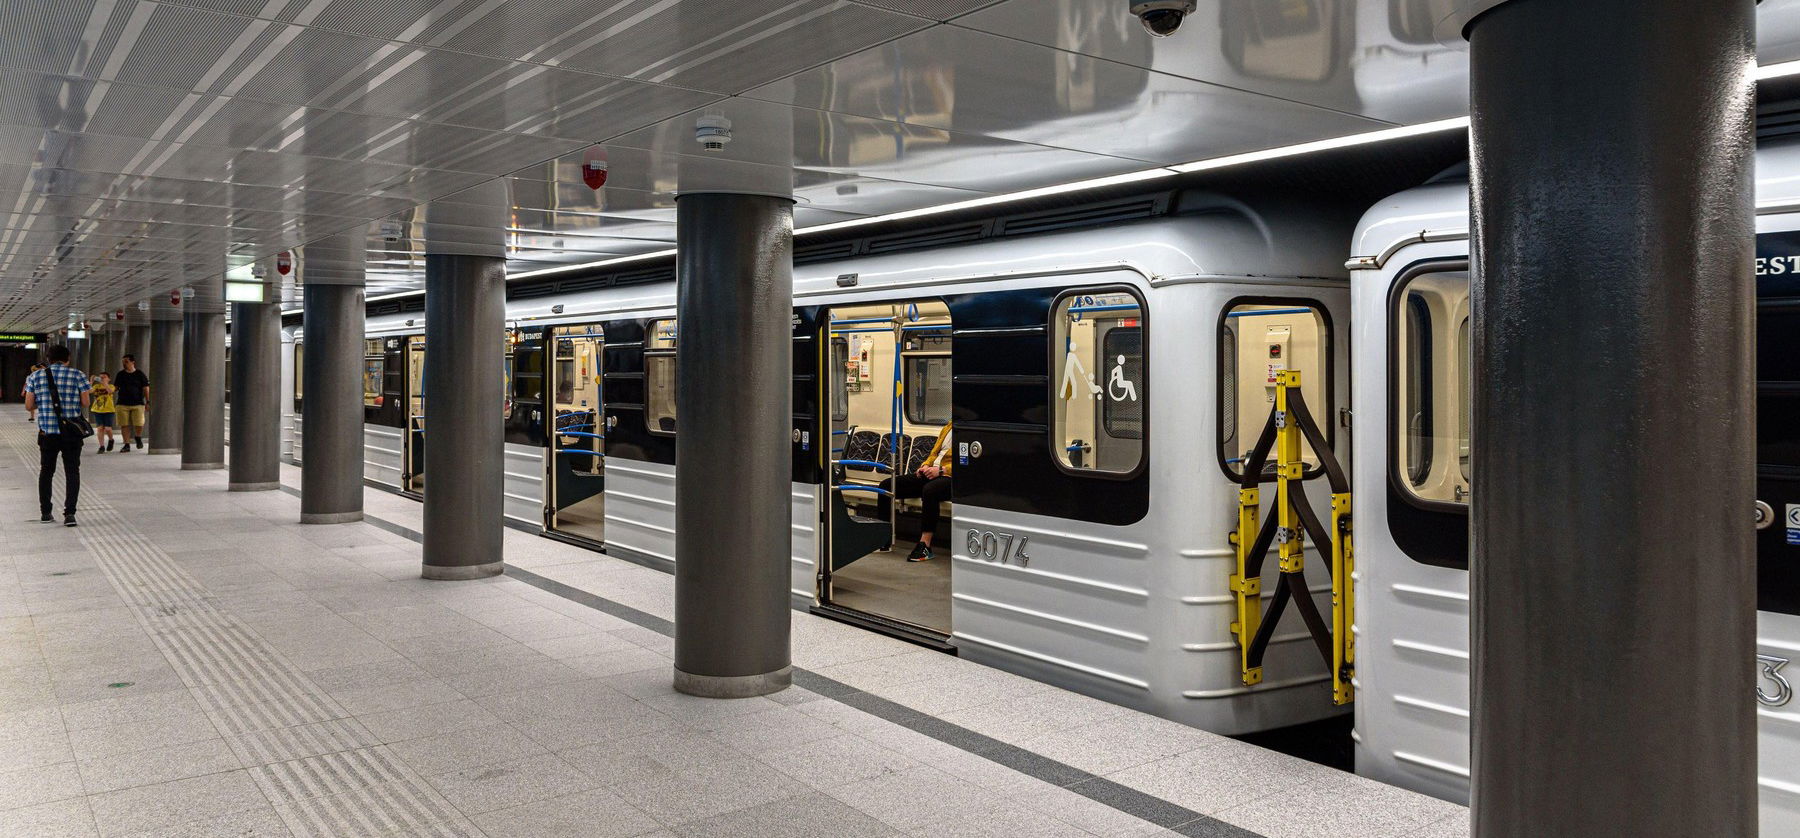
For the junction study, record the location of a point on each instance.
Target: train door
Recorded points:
(888, 517)
(413, 359)
(577, 503)
(1290, 578)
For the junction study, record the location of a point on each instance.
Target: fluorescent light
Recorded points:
(1775, 71)
(243, 292)
(618, 260)
(1325, 145)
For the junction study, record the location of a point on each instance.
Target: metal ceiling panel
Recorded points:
(1365, 58)
(771, 134)
(972, 82)
(939, 10)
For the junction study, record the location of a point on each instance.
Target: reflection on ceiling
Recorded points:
(148, 145)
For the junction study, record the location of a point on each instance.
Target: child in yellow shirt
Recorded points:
(102, 410)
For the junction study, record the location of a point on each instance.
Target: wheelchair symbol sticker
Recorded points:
(1793, 516)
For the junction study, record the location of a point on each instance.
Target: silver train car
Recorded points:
(1410, 314)
(1102, 390)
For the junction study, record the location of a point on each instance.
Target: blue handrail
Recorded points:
(1256, 312)
(838, 433)
(1115, 307)
(926, 328)
(868, 464)
(574, 427)
(579, 451)
(581, 434)
(862, 320)
(858, 487)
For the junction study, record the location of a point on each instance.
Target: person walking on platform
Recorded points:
(134, 401)
(931, 485)
(58, 394)
(102, 411)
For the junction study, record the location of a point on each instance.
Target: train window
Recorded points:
(373, 370)
(928, 389)
(1099, 391)
(299, 370)
(1418, 389)
(840, 367)
(659, 377)
(1430, 395)
(528, 369)
(1258, 338)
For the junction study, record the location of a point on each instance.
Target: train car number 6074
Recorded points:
(1002, 547)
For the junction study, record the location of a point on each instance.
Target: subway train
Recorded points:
(1151, 450)
(1409, 280)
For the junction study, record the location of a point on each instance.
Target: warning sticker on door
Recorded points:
(1793, 523)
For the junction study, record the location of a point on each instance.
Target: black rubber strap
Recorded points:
(1334, 473)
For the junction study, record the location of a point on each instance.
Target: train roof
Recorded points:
(1216, 237)
(1440, 210)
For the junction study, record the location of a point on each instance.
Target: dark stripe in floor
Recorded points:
(1180, 819)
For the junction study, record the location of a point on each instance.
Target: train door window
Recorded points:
(1431, 385)
(299, 370)
(840, 368)
(1097, 375)
(1431, 393)
(659, 377)
(1259, 338)
(374, 370)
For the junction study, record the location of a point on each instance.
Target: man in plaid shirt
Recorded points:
(72, 393)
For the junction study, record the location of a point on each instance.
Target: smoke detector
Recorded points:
(712, 132)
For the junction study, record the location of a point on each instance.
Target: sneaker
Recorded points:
(69, 520)
(47, 519)
(109, 445)
(125, 450)
(921, 552)
(140, 443)
(102, 450)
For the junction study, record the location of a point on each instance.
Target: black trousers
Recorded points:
(931, 494)
(49, 447)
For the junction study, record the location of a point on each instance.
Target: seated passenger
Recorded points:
(931, 485)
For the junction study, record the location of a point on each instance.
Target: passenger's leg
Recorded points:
(931, 497)
(48, 448)
(71, 455)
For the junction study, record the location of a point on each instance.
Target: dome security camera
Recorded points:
(1162, 17)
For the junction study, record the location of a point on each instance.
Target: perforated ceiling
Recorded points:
(151, 144)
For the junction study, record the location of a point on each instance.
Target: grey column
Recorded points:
(137, 344)
(163, 418)
(734, 304)
(203, 391)
(465, 326)
(1613, 577)
(255, 461)
(331, 415)
(78, 351)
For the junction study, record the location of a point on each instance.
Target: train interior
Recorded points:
(578, 464)
(1431, 444)
(414, 399)
(890, 396)
(1259, 340)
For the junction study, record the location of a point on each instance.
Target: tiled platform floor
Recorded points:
(190, 662)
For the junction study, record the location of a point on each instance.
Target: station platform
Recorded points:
(192, 662)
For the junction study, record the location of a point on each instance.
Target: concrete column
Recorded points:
(465, 323)
(1613, 576)
(331, 415)
(164, 417)
(255, 397)
(734, 304)
(78, 352)
(137, 344)
(203, 391)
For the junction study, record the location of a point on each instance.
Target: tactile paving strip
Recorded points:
(349, 784)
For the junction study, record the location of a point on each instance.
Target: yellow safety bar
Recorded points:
(1289, 423)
